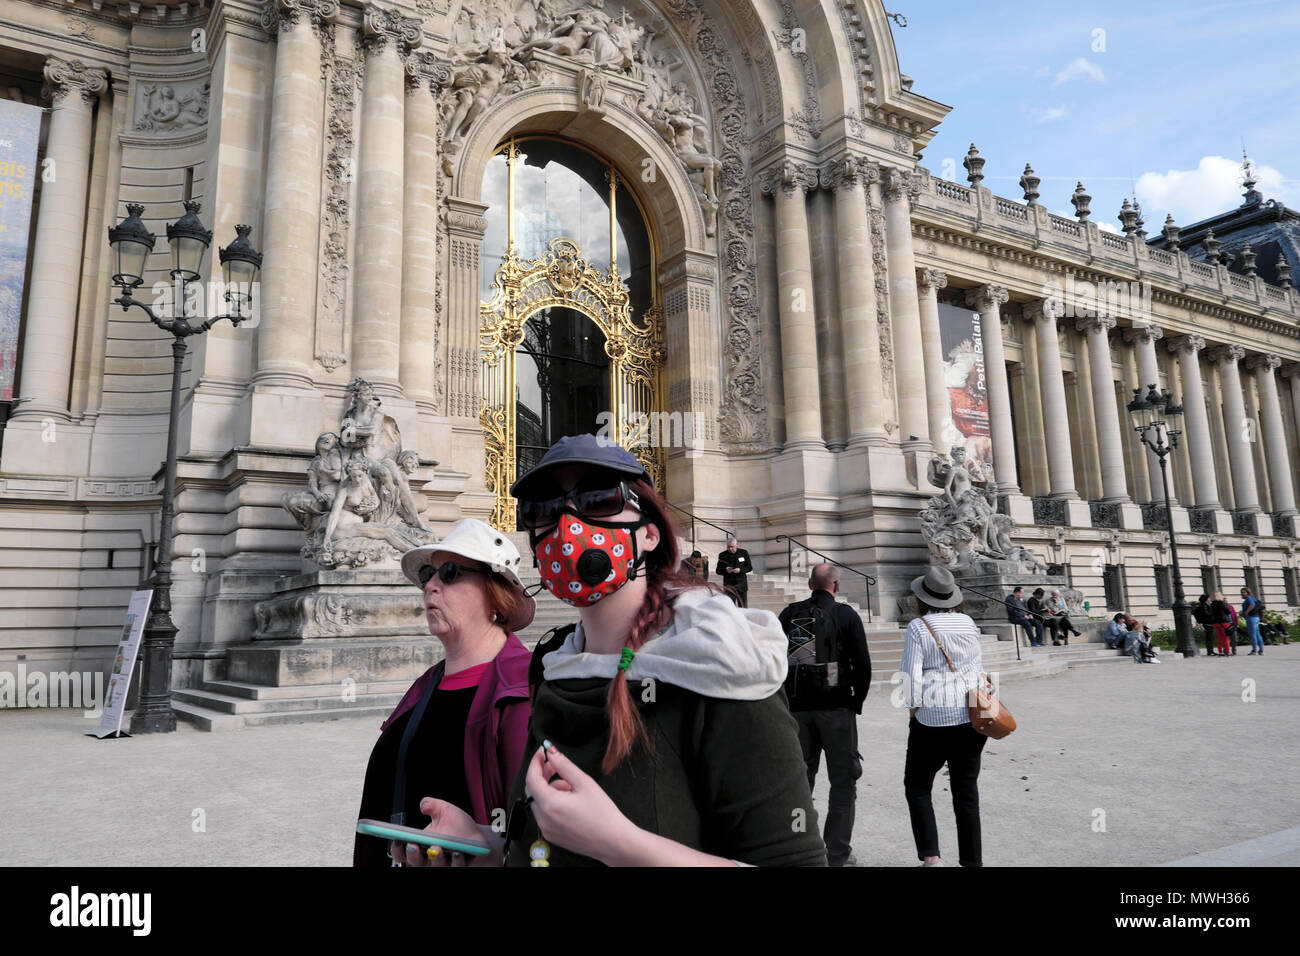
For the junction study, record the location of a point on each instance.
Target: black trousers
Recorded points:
(836, 732)
(739, 594)
(928, 749)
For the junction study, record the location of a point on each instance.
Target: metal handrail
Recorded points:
(789, 562)
(694, 518)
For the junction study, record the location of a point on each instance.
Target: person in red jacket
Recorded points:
(459, 732)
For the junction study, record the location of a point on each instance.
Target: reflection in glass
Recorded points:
(561, 381)
(496, 191)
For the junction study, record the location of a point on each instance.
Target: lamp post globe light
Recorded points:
(1155, 416)
(132, 242)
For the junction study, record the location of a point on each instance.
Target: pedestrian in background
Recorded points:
(1251, 607)
(734, 565)
(1220, 617)
(1201, 612)
(828, 679)
(940, 730)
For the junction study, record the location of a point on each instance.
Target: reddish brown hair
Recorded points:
(664, 581)
(504, 599)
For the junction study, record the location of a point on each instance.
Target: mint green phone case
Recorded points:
(392, 831)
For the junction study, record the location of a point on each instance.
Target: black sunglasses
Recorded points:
(589, 503)
(448, 572)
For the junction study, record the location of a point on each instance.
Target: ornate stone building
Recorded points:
(702, 224)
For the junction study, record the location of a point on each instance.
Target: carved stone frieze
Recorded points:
(336, 204)
(787, 177)
(884, 325)
(806, 120)
(162, 107)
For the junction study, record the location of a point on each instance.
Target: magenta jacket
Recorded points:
(495, 736)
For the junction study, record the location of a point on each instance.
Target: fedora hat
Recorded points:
(937, 588)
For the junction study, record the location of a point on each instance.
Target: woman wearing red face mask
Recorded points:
(660, 735)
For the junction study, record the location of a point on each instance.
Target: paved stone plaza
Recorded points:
(1178, 762)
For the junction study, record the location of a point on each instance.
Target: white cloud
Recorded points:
(1104, 226)
(1042, 71)
(1040, 115)
(1214, 186)
(1082, 68)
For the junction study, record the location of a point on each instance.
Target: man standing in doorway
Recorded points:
(827, 682)
(734, 566)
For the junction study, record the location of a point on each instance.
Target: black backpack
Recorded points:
(812, 681)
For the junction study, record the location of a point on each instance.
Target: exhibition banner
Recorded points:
(20, 130)
(967, 423)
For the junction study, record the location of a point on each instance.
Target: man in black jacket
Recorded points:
(734, 565)
(826, 707)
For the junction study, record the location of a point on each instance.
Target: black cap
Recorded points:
(578, 450)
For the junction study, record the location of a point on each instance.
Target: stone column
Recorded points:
(1239, 432)
(900, 188)
(1144, 339)
(986, 299)
(291, 223)
(1136, 453)
(377, 305)
(465, 227)
(929, 282)
(855, 271)
(56, 257)
(803, 419)
(1051, 382)
(1114, 482)
(419, 241)
(1292, 372)
(1275, 445)
(1196, 426)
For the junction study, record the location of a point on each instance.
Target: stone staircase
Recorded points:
(257, 694)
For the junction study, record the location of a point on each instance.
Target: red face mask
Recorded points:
(582, 561)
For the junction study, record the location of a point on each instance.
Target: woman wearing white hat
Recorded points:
(459, 732)
(940, 730)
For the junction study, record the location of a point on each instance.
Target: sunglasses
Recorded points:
(590, 503)
(448, 572)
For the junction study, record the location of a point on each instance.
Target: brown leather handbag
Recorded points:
(988, 715)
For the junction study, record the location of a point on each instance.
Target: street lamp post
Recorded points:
(132, 242)
(1154, 414)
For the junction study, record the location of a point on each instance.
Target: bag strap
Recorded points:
(941, 647)
(983, 677)
(408, 734)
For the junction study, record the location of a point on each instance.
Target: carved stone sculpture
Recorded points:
(358, 509)
(961, 525)
(162, 109)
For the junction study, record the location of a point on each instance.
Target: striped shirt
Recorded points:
(928, 685)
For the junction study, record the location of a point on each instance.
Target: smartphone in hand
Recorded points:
(402, 834)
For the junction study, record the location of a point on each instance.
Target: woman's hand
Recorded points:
(572, 810)
(449, 820)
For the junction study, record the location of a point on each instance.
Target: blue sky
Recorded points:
(1147, 93)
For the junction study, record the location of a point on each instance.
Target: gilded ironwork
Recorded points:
(561, 277)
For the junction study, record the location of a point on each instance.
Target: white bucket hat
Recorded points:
(478, 541)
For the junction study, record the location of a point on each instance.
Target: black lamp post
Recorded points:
(1154, 415)
(132, 242)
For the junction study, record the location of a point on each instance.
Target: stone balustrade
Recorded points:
(939, 199)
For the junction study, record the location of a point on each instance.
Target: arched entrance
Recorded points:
(571, 333)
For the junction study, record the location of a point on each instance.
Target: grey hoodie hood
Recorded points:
(711, 647)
